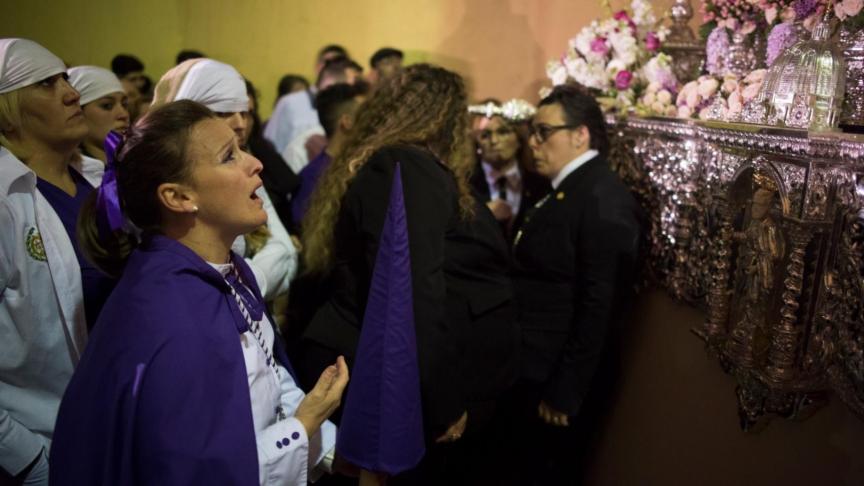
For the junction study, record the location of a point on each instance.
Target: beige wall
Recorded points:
(500, 46)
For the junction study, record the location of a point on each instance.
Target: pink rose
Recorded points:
(751, 91)
(652, 42)
(599, 46)
(708, 88)
(685, 93)
(622, 15)
(729, 85)
(693, 99)
(623, 80)
(849, 8)
(736, 102)
(770, 15)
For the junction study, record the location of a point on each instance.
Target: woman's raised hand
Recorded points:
(325, 398)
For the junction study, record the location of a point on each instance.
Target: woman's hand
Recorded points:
(325, 398)
(455, 431)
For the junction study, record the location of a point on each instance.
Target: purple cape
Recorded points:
(161, 394)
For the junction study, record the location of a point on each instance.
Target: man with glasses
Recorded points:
(574, 266)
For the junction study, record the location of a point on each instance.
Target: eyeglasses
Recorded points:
(543, 131)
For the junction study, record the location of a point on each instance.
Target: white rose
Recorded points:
(654, 87)
(685, 112)
(582, 42)
(708, 87)
(614, 66)
(658, 107)
(556, 72)
(624, 46)
(671, 111)
(649, 98)
(664, 97)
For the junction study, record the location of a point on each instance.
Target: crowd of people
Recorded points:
(186, 289)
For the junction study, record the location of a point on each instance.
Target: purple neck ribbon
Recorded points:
(109, 217)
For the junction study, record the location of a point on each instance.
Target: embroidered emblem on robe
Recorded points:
(35, 248)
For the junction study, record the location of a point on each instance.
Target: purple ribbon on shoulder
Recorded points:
(109, 217)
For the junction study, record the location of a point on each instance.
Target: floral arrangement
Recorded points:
(743, 16)
(748, 15)
(847, 11)
(710, 98)
(617, 57)
(808, 12)
(658, 97)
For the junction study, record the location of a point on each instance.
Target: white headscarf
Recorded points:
(24, 62)
(94, 82)
(214, 84)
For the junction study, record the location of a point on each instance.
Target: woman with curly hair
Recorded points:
(410, 147)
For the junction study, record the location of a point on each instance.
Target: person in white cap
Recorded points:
(105, 106)
(269, 251)
(42, 312)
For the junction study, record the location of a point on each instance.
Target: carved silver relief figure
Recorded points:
(760, 248)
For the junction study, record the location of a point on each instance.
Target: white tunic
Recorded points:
(42, 325)
(285, 454)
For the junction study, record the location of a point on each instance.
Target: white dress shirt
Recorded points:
(285, 454)
(513, 188)
(573, 165)
(295, 154)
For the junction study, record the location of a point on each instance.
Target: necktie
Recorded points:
(501, 185)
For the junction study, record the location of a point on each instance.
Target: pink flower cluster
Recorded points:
(848, 8)
(745, 15)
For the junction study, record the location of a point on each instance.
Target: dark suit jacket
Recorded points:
(278, 178)
(534, 187)
(574, 265)
(467, 337)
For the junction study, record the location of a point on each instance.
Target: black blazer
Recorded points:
(467, 337)
(534, 187)
(278, 178)
(574, 266)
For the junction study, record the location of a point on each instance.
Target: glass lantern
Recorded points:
(805, 86)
